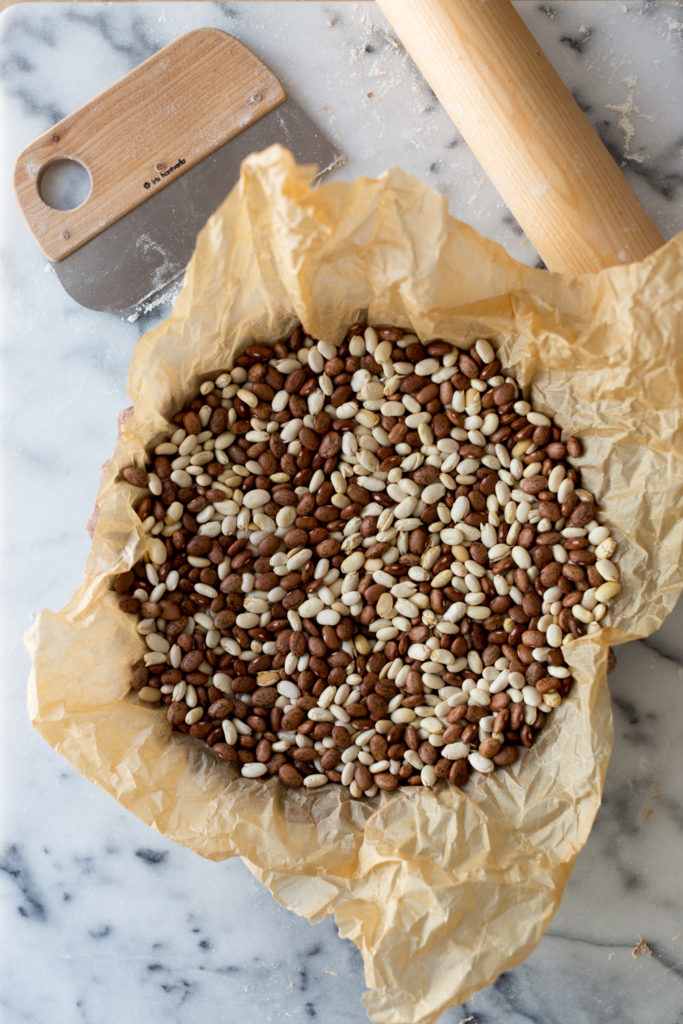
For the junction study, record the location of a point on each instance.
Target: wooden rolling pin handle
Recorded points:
(526, 130)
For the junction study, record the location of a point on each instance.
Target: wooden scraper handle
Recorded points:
(151, 126)
(527, 132)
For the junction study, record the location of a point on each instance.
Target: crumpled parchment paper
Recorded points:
(441, 890)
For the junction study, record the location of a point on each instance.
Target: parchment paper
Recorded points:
(441, 890)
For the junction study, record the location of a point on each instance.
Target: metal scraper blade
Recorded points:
(130, 265)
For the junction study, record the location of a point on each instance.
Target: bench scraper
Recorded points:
(163, 147)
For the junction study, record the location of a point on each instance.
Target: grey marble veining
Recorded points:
(103, 921)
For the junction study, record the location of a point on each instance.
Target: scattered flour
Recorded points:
(627, 110)
(166, 295)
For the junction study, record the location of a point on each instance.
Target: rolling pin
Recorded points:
(526, 130)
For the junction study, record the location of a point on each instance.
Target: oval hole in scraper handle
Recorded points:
(526, 130)
(151, 126)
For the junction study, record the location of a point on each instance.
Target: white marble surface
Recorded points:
(101, 921)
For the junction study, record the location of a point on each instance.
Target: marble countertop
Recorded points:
(102, 920)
